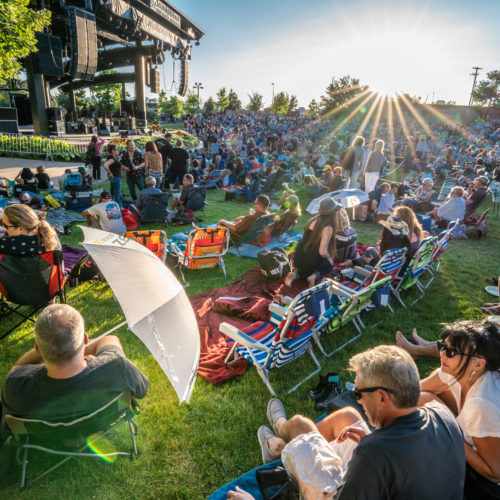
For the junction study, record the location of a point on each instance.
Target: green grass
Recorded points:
(188, 451)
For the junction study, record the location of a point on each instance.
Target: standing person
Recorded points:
(164, 147)
(94, 156)
(133, 163)
(180, 164)
(113, 168)
(315, 251)
(153, 162)
(352, 162)
(374, 165)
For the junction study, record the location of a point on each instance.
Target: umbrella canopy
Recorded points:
(155, 304)
(348, 198)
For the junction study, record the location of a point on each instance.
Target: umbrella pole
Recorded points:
(91, 341)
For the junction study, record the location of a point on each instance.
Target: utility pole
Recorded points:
(272, 102)
(476, 72)
(198, 86)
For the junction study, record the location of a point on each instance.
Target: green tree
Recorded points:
(192, 104)
(293, 103)
(82, 105)
(107, 97)
(314, 108)
(18, 24)
(280, 104)
(4, 100)
(339, 92)
(222, 99)
(152, 116)
(209, 106)
(256, 101)
(487, 91)
(172, 107)
(234, 101)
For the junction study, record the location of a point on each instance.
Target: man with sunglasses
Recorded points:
(412, 452)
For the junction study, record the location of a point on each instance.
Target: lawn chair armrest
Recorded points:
(286, 300)
(341, 290)
(363, 271)
(242, 338)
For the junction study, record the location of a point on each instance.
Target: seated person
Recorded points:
(337, 182)
(86, 177)
(65, 376)
(415, 231)
(63, 179)
(420, 201)
(315, 251)
(27, 180)
(27, 236)
(287, 192)
(187, 185)
(34, 202)
(478, 190)
(492, 308)
(375, 196)
(343, 455)
(146, 193)
(94, 221)
(242, 224)
(451, 209)
(468, 382)
(386, 202)
(108, 214)
(285, 220)
(43, 178)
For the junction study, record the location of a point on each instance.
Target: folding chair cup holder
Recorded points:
(71, 439)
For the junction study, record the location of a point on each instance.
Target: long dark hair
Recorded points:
(320, 222)
(389, 241)
(151, 147)
(474, 339)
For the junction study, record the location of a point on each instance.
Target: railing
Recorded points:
(49, 147)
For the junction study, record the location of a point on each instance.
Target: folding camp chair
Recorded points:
(71, 439)
(156, 241)
(389, 264)
(414, 271)
(205, 249)
(30, 281)
(287, 336)
(254, 231)
(196, 199)
(156, 207)
(346, 305)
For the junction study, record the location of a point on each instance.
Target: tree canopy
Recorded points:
(192, 104)
(487, 91)
(18, 25)
(107, 97)
(234, 101)
(338, 92)
(209, 106)
(171, 107)
(222, 99)
(256, 101)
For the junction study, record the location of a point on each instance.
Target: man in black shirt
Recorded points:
(164, 147)
(180, 164)
(478, 190)
(64, 376)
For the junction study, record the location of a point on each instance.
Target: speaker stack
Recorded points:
(128, 106)
(83, 41)
(155, 80)
(48, 60)
(184, 78)
(8, 121)
(56, 121)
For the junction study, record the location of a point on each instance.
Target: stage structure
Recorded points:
(89, 36)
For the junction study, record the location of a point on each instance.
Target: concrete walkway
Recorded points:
(10, 167)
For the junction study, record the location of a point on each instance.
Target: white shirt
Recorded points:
(110, 217)
(452, 209)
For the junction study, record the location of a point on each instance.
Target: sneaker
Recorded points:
(318, 393)
(275, 411)
(263, 435)
(334, 389)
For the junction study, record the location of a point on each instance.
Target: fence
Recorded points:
(52, 148)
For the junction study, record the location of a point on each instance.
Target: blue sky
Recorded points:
(425, 47)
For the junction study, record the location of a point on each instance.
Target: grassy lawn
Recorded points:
(187, 452)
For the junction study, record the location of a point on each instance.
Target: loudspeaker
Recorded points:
(48, 60)
(129, 107)
(23, 106)
(56, 127)
(8, 121)
(55, 114)
(83, 41)
(8, 114)
(155, 81)
(147, 73)
(184, 78)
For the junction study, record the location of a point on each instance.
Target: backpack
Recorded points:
(196, 198)
(84, 270)
(274, 263)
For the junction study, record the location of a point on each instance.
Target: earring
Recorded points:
(471, 376)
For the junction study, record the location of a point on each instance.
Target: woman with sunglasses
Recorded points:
(468, 382)
(26, 235)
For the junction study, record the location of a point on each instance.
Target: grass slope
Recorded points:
(187, 452)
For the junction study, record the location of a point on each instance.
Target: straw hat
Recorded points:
(395, 225)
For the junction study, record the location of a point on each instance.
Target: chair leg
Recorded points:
(133, 432)
(223, 265)
(264, 375)
(230, 354)
(318, 369)
(24, 465)
(398, 296)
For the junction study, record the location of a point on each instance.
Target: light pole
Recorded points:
(198, 86)
(272, 102)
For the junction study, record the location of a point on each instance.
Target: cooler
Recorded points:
(345, 245)
(78, 200)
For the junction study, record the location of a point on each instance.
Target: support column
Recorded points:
(72, 102)
(37, 94)
(140, 90)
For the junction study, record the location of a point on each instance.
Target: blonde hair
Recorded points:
(428, 182)
(379, 146)
(24, 217)
(407, 215)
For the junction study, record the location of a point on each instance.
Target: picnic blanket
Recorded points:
(62, 217)
(249, 250)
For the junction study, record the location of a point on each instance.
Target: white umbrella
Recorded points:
(348, 198)
(154, 303)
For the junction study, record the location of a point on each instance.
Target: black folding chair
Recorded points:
(30, 281)
(196, 199)
(156, 208)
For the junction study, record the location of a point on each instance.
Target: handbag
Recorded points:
(275, 484)
(130, 219)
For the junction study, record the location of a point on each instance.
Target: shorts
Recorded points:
(110, 350)
(175, 176)
(316, 465)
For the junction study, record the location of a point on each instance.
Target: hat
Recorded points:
(82, 170)
(25, 197)
(395, 225)
(328, 206)
(105, 194)
(327, 167)
(482, 179)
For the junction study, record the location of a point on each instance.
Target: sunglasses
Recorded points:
(6, 226)
(358, 393)
(450, 352)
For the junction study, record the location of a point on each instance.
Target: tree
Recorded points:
(292, 103)
(280, 104)
(488, 91)
(314, 108)
(172, 107)
(222, 99)
(209, 106)
(82, 104)
(256, 101)
(339, 92)
(192, 104)
(18, 24)
(107, 97)
(234, 101)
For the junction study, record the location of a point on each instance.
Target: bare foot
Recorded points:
(491, 304)
(347, 263)
(419, 340)
(491, 310)
(311, 280)
(290, 279)
(405, 344)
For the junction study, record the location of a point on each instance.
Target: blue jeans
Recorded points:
(131, 183)
(115, 189)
